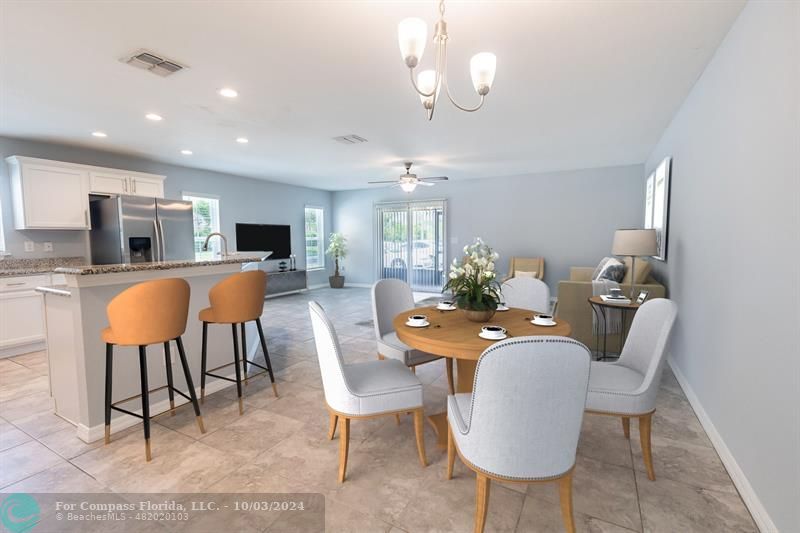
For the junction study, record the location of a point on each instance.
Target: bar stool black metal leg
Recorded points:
(187, 374)
(244, 354)
(266, 356)
(109, 368)
(203, 363)
(238, 368)
(170, 383)
(145, 400)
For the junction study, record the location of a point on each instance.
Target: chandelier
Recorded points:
(412, 34)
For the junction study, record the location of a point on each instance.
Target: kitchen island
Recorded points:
(75, 314)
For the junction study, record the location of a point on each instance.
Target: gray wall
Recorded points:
(568, 218)
(734, 250)
(241, 199)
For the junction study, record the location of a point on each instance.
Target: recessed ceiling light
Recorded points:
(154, 117)
(186, 152)
(242, 140)
(227, 92)
(99, 134)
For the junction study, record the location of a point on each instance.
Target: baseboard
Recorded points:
(751, 499)
(90, 434)
(318, 286)
(359, 285)
(13, 351)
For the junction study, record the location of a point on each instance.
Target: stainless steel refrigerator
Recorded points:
(134, 229)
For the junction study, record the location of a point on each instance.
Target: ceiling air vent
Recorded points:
(350, 139)
(147, 60)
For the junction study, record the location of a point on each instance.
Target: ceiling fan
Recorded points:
(408, 181)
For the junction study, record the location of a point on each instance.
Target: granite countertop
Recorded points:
(160, 265)
(26, 267)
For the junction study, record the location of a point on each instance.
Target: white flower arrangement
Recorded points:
(473, 279)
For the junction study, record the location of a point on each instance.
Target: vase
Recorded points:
(336, 282)
(483, 315)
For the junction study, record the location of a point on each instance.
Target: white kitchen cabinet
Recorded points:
(107, 183)
(22, 327)
(120, 182)
(47, 195)
(152, 187)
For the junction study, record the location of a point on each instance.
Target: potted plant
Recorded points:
(337, 248)
(473, 282)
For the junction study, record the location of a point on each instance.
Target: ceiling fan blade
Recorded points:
(436, 178)
(425, 184)
(387, 181)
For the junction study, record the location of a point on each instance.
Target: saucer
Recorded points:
(492, 337)
(441, 307)
(422, 325)
(502, 308)
(543, 324)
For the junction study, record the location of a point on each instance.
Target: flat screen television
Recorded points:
(264, 238)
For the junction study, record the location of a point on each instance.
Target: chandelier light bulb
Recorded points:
(412, 34)
(426, 82)
(483, 67)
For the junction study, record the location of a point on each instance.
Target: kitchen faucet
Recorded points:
(224, 243)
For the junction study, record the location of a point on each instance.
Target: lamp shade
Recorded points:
(411, 35)
(634, 242)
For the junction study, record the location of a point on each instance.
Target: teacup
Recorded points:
(493, 331)
(417, 320)
(543, 319)
(446, 304)
(615, 293)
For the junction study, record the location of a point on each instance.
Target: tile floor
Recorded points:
(279, 445)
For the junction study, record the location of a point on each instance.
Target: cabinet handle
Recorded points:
(86, 217)
(134, 184)
(17, 284)
(125, 185)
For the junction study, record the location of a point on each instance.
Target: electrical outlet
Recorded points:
(47, 246)
(29, 246)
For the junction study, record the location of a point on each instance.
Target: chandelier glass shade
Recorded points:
(412, 34)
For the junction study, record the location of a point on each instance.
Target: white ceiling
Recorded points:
(579, 84)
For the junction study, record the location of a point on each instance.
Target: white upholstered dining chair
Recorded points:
(522, 421)
(391, 297)
(628, 386)
(526, 293)
(362, 390)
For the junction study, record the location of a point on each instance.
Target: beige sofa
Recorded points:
(574, 294)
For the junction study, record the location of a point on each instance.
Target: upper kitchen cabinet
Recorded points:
(55, 195)
(47, 195)
(108, 181)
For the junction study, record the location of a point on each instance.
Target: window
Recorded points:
(205, 211)
(315, 238)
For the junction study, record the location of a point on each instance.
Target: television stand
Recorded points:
(286, 282)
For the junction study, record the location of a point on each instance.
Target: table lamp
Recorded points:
(634, 243)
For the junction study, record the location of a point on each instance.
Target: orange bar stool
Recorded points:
(236, 300)
(153, 312)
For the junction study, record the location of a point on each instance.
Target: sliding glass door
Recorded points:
(411, 243)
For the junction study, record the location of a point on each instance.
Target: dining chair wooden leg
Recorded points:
(344, 445)
(397, 418)
(482, 484)
(565, 495)
(645, 423)
(448, 365)
(451, 452)
(332, 426)
(419, 431)
(626, 426)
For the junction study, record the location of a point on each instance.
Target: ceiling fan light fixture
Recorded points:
(408, 186)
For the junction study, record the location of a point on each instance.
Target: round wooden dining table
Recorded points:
(449, 334)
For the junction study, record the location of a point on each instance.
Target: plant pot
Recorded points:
(337, 282)
(478, 316)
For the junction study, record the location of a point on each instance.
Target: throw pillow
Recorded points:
(599, 268)
(613, 270)
(524, 274)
